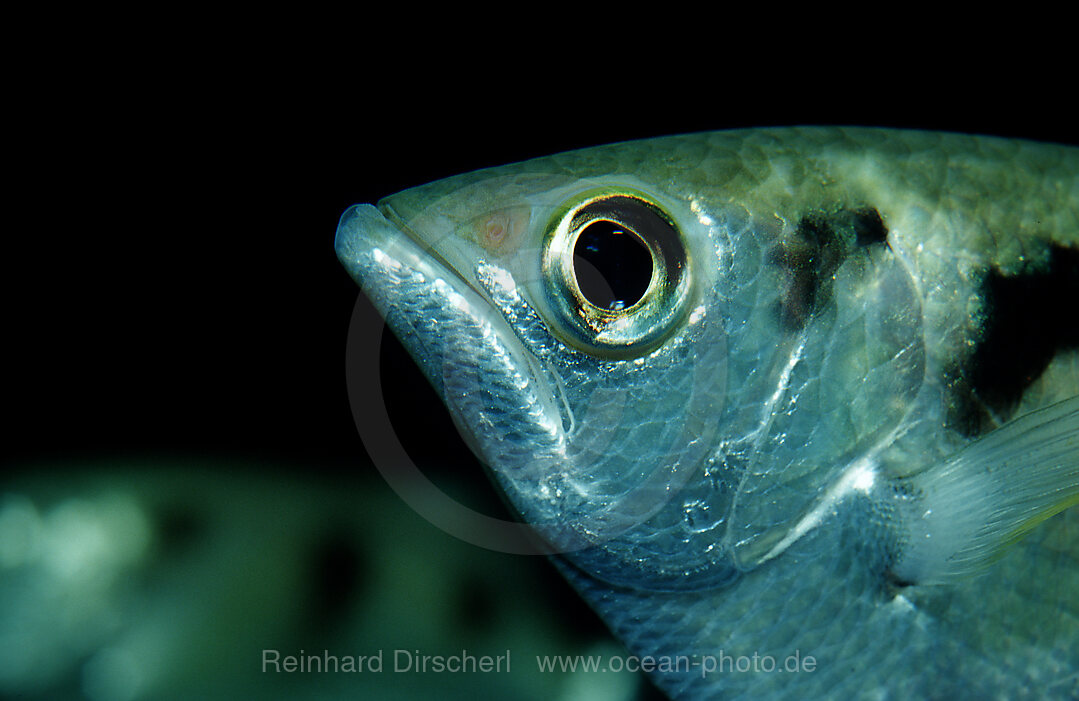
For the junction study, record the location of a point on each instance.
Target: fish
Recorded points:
(795, 410)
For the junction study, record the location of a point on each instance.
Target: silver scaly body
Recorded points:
(821, 444)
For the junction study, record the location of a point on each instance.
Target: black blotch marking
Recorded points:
(338, 574)
(1029, 318)
(810, 258)
(868, 227)
(820, 244)
(476, 606)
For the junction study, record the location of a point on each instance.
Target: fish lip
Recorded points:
(391, 216)
(381, 255)
(364, 228)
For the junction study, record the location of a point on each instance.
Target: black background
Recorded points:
(170, 285)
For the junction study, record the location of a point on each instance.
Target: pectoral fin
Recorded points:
(964, 513)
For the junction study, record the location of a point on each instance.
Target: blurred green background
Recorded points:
(143, 579)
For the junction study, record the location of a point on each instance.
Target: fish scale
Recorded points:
(806, 464)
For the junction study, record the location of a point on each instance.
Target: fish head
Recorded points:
(620, 336)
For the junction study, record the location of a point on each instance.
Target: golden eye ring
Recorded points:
(634, 323)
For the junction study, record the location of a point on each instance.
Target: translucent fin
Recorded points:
(966, 511)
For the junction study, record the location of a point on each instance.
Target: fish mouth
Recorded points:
(431, 308)
(425, 300)
(367, 230)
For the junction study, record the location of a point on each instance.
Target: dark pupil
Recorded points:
(612, 265)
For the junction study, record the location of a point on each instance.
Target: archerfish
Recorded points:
(796, 410)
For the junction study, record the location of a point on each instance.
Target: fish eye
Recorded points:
(617, 272)
(612, 265)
